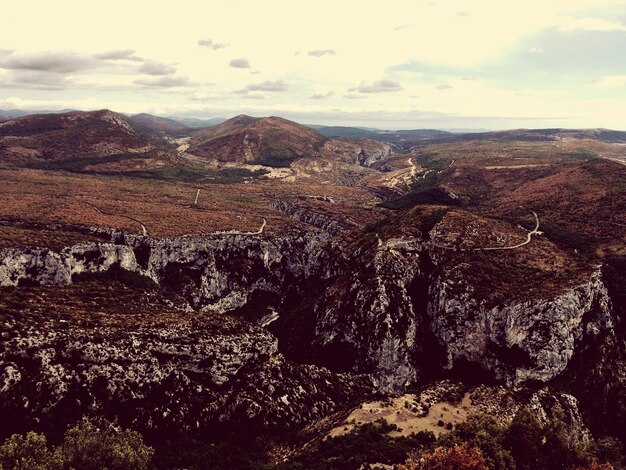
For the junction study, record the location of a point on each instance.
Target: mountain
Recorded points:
(272, 141)
(539, 135)
(197, 123)
(150, 125)
(13, 113)
(377, 134)
(76, 138)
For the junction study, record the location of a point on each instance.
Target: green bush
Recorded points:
(90, 445)
(100, 445)
(28, 452)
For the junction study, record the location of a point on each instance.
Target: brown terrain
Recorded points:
(371, 272)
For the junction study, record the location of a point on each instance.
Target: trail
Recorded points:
(448, 167)
(144, 229)
(413, 167)
(237, 232)
(529, 236)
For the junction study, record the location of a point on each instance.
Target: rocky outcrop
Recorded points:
(166, 371)
(392, 312)
(216, 273)
(372, 315)
(530, 341)
(362, 152)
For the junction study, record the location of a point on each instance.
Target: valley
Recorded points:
(260, 291)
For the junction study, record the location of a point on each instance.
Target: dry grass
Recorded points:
(166, 208)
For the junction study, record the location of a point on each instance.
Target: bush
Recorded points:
(90, 445)
(459, 457)
(28, 452)
(484, 433)
(100, 444)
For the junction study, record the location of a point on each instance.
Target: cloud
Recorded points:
(151, 67)
(321, 52)
(211, 44)
(241, 63)
(321, 96)
(124, 54)
(163, 82)
(404, 26)
(589, 24)
(54, 62)
(379, 86)
(255, 96)
(268, 85)
(354, 96)
(35, 80)
(609, 82)
(444, 86)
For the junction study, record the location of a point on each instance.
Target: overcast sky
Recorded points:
(392, 64)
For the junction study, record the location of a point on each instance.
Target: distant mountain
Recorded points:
(543, 135)
(76, 134)
(158, 130)
(377, 134)
(198, 123)
(13, 113)
(271, 141)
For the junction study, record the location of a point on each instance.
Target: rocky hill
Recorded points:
(270, 141)
(74, 134)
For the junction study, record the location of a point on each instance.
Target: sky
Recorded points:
(449, 64)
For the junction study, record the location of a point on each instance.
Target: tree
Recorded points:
(459, 457)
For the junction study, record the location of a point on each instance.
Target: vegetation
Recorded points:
(459, 457)
(189, 174)
(369, 443)
(90, 445)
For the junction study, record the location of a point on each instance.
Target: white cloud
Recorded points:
(608, 82)
(321, 52)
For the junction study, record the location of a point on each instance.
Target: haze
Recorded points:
(397, 64)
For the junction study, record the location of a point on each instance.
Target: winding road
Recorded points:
(144, 229)
(529, 236)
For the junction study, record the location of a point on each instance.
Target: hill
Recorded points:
(78, 133)
(271, 141)
(150, 125)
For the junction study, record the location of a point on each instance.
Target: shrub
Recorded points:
(28, 452)
(90, 445)
(484, 433)
(100, 444)
(459, 457)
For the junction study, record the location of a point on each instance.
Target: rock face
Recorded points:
(381, 305)
(363, 152)
(215, 273)
(372, 315)
(394, 312)
(521, 342)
